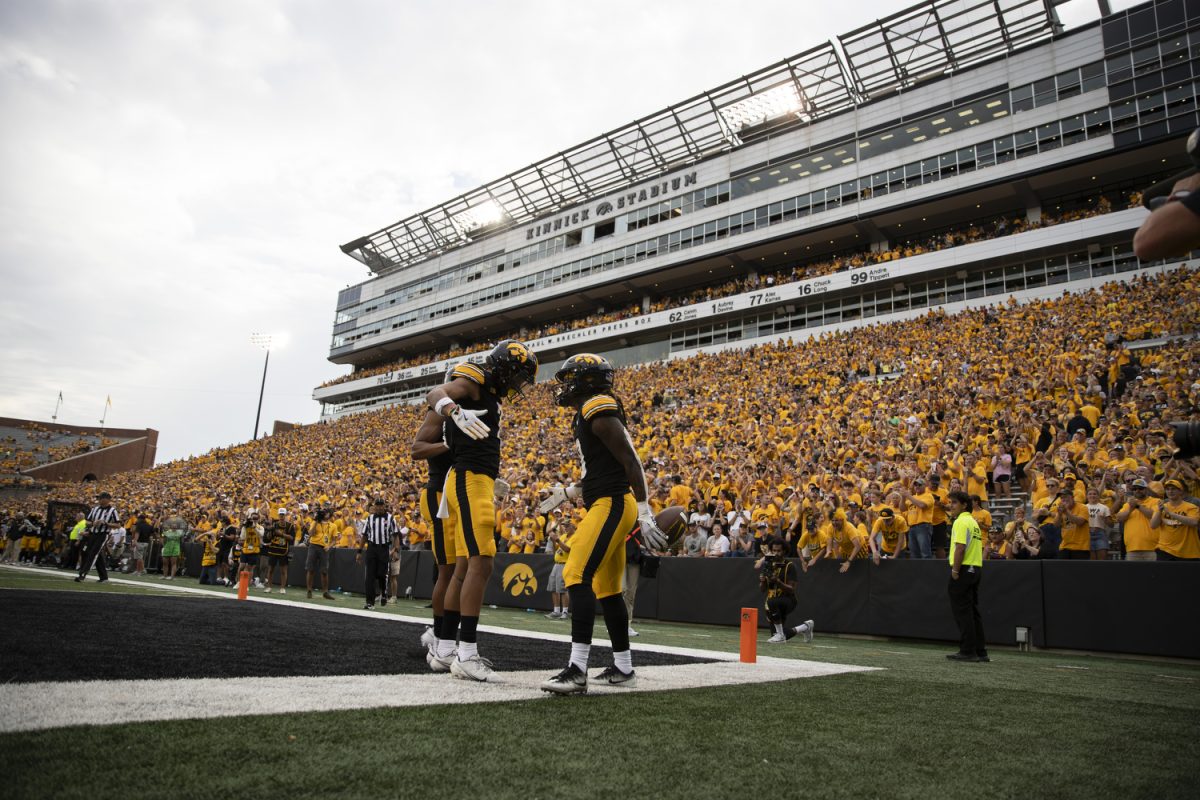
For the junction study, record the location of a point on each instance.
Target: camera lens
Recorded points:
(1187, 438)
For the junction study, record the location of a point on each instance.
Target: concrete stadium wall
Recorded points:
(98, 464)
(1111, 606)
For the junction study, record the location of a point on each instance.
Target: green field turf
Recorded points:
(1032, 725)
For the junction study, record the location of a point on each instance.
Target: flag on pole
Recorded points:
(60, 397)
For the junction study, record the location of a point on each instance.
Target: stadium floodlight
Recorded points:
(775, 104)
(484, 215)
(266, 341)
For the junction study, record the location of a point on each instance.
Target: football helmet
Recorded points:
(582, 375)
(513, 366)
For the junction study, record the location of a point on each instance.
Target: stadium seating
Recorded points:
(753, 426)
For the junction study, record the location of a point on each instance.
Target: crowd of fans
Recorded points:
(1041, 401)
(1001, 226)
(38, 445)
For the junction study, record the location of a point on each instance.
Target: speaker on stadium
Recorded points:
(1187, 438)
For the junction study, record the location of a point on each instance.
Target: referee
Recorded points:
(99, 519)
(375, 541)
(966, 565)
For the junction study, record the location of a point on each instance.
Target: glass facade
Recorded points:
(982, 281)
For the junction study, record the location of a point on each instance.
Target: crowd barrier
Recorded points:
(1110, 606)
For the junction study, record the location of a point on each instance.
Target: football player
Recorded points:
(430, 444)
(777, 579)
(471, 399)
(613, 488)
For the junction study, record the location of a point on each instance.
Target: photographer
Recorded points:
(251, 538)
(777, 579)
(279, 545)
(102, 517)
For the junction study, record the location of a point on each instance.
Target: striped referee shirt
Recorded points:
(380, 528)
(99, 515)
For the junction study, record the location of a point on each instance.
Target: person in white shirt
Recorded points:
(717, 545)
(1098, 522)
(116, 546)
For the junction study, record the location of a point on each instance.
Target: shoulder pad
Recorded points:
(600, 404)
(470, 372)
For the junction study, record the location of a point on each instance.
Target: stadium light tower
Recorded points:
(264, 340)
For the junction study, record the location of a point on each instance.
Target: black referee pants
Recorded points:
(964, 604)
(91, 552)
(376, 562)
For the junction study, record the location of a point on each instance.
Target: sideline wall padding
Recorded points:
(1119, 607)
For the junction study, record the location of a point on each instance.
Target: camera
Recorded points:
(1157, 195)
(1186, 436)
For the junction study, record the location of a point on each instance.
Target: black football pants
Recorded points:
(376, 561)
(964, 603)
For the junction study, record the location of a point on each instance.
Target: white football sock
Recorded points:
(467, 650)
(445, 648)
(801, 628)
(579, 655)
(779, 628)
(558, 609)
(623, 661)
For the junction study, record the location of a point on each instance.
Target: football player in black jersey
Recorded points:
(471, 399)
(613, 487)
(777, 579)
(430, 445)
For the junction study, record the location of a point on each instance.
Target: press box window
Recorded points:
(604, 229)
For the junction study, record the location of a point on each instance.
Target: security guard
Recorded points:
(966, 565)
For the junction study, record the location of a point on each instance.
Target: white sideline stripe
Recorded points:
(37, 706)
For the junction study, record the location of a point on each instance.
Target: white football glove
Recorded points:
(651, 535)
(469, 423)
(501, 488)
(559, 495)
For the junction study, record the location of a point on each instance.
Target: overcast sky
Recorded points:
(178, 175)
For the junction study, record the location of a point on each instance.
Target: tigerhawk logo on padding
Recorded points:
(519, 580)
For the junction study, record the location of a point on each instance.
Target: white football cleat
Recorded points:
(633, 633)
(612, 676)
(776, 638)
(808, 631)
(427, 638)
(571, 680)
(476, 668)
(439, 663)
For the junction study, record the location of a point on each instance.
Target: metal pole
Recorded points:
(261, 389)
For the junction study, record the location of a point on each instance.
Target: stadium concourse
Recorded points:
(1075, 208)
(753, 430)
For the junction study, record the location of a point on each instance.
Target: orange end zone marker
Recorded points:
(243, 585)
(749, 648)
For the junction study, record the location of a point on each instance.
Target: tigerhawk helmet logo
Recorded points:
(519, 580)
(518, 351)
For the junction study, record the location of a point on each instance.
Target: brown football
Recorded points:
(672, 521)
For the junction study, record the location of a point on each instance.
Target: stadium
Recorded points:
(900, 262)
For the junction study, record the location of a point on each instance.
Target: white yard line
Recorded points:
(35, 706)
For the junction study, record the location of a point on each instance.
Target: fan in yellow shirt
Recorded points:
(1177, 522)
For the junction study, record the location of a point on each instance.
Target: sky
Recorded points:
(179, 175)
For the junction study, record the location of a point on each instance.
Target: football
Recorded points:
(672, 521)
